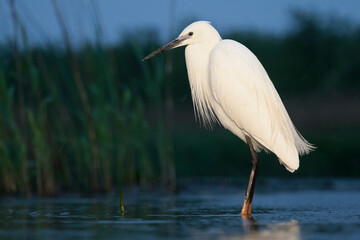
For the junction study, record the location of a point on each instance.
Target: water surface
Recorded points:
(282, 209)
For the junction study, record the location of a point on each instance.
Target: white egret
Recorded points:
(229, 85)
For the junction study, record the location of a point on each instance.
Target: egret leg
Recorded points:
(246, 208)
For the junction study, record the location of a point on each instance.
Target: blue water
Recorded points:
(282, 209)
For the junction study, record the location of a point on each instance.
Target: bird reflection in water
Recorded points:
(281, 230)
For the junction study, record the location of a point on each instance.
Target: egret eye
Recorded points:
(191, 33)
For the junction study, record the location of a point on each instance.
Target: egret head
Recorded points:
(197, 32)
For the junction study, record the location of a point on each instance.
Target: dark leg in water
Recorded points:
(246, 208)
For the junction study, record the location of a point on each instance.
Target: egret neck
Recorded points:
(197, 62)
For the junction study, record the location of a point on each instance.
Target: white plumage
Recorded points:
(229, 83)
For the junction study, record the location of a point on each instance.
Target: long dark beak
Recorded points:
(173, 44)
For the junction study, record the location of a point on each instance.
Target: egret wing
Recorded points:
(244, 91)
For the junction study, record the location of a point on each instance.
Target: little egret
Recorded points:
(229, 85)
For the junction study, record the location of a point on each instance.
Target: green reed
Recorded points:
(73, 119)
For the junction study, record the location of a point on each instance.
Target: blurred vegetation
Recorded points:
(94, 118)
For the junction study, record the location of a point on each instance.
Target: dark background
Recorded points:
(88, 115)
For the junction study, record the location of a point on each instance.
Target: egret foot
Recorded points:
(246, 208)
